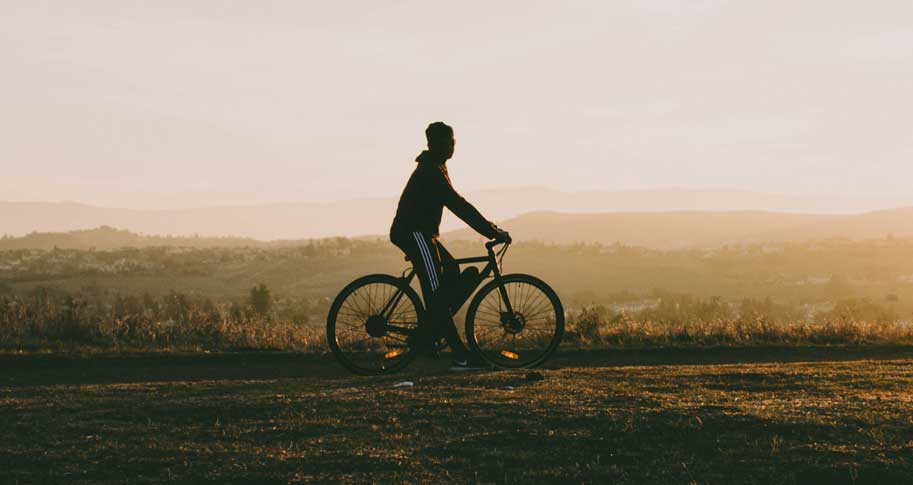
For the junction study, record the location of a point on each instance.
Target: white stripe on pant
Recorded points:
(426, 256)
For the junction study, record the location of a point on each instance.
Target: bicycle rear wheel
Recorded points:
(371, 325)
(523, 337)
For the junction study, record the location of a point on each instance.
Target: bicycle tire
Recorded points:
(513, 358)
(347, 357)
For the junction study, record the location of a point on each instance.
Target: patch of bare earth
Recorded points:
(813, 421)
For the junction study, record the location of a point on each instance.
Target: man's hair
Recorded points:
(438, 132)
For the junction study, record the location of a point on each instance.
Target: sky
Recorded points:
(202, 103)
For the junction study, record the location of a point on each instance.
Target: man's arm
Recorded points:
(466, 211)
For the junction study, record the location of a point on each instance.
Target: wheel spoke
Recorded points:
(354, 346)
(525, 341)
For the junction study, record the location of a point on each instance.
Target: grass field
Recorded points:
(813, 415)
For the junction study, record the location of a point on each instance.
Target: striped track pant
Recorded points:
(435, 268)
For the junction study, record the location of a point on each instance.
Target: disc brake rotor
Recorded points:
(513, 323)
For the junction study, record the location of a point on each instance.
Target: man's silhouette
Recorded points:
(416, 228)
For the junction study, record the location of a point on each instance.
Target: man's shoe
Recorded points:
(470, 363)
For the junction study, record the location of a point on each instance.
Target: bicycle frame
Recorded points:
(492, 266)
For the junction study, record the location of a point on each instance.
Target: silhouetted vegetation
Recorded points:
(261, 301)
(684, 321)
(277, 296)
(95, 320)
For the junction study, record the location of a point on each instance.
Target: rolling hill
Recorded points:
(674, 230)
(655, 230)
(298, 220)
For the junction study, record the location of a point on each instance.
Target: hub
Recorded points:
(513, 323)
(376, 326)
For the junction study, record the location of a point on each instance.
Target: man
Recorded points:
(416, 228)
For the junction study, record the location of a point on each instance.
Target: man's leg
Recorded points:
(426, 259)
(448, 264)
(451, 279)
(427, 265)
(409, 245)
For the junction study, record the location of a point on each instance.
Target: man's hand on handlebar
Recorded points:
(503, 236)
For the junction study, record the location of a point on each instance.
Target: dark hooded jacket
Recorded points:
(426, 194)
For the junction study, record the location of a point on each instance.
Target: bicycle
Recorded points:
(513, 321)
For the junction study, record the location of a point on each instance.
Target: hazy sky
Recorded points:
(192, 102)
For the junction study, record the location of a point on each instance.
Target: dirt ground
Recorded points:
(811, 415)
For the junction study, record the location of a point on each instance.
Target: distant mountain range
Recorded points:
(686, 229)
(373, 216)
(105, 238)
(655, 230)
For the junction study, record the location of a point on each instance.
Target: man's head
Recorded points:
(440, 139)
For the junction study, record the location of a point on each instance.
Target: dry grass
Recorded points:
(590, 328)
(48, 322)
(173, 323)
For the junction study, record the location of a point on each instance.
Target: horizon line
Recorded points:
(681, 189)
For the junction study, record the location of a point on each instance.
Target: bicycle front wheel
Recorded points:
(515, 321)
(372, 324)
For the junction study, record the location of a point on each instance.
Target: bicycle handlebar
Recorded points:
(491, 244)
